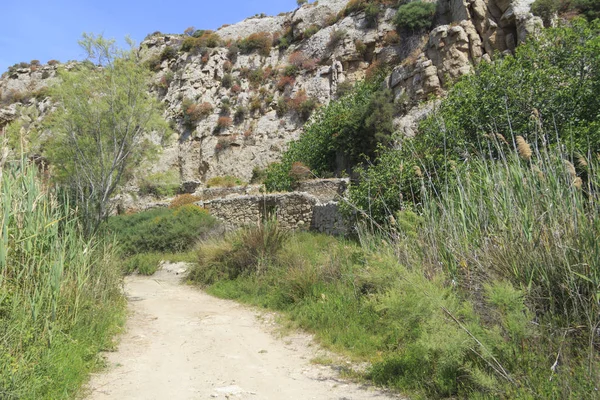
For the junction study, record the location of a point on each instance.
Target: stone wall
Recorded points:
(293, 211)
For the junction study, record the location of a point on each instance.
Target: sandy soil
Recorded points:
(181, 343)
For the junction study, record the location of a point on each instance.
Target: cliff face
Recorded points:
(234, 111)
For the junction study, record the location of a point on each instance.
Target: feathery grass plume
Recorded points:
(535, 116)
(418, 171)
(538, 172)
(501, 138)
(523, 148)
(581, 161)
(570, 168)
(578, 183)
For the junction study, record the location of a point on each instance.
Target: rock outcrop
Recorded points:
(232, 112)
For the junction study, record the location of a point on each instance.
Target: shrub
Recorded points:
(168, 53)
(256, 104)
(415, 16)
(192, 112)
(337, 131)
(309, 64)
(224, 123)
(290, 70)
(162, 229)
(545, 9)
(227, 66)
(361, 47)
(282, 106)
(235, 89)
(240, 115)
(184, 199)
(257, 76)
(166, 79)
(302, 104)
(261, 42)
(300, 172)
(336, 37)
(311, 30)
(53, 62)
(232, 52)
(296, 59)
(227, 81)
(258, 175)
(160, 184)
(227, 181)
(300, 3)
(144, 263)
(285, 82)
(391, 38)
(483, 110)
(248, 251)
(198, 44)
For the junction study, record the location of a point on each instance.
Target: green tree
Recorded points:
(101, 124)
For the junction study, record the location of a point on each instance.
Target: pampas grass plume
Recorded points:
(523, 148)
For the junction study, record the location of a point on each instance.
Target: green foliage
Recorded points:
(168, 53)
(200, 41)
(261, 42)
(60, 297)
(248, 251)
(415, 16)
(193, 112)
(227, 81)
(143, 263)
(160, 184)
(258, 175)
(310, 31)
(546, 9)
(560, 74)
(164, 230)
(350, 128)
(224, 181)
(99, 126)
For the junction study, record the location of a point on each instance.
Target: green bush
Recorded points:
(546, 9)
(349, 129)
(227, 81)
(161, 230)
(160, 184)
(487, 109)
(261, 42)
(168, 53)
(144, 263)
(415, 16)
(248, 251)
(224, 181)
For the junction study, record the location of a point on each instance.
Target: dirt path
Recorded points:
(181, 343)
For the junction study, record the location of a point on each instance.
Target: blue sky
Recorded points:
(45, 30)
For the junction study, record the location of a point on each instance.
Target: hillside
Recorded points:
(237, 96)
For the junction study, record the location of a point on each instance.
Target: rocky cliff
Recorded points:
(236, 97)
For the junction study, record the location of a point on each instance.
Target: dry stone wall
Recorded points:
(293, 211)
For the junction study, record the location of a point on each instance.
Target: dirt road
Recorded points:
(181, 343)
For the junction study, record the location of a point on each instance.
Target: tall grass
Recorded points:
(60, 298)
(487, 289)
